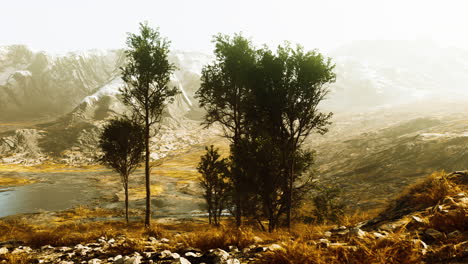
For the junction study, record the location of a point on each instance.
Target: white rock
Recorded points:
(232, 261)
(181, 261)
(273, 247)
(3, 250)
(94, 261)
(164, 240)
(166, 254)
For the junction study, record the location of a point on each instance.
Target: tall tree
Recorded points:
(224, 87)
(215, 181)
(146, 75)
(281, 112)
(122, 146)
(303, 85)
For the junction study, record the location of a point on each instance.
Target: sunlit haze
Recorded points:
(61, 26)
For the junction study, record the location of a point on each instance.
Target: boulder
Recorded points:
(3, 250)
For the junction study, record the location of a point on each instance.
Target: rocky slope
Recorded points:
(79, 91)
(373, 156)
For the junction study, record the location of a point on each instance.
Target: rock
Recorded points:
(94, 261)
(152, 239)
(232, 261)
(64, 249)
(327, 234)
(417, 219)
(181, 261)
(164, 240)
(193, 255)
(21, 250)
(454, 234)
(434, 234)
(111, 241)
(274, 247)
(378, 235)
(324, 242)
(219, 256)
(128, 260)
(165, 254)
(233, 249)
(355, 231)
(3, 250)
(342, 228)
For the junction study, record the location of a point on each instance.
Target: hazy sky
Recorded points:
(59, 25)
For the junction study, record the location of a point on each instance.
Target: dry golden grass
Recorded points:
(217, 238)
(17, 258)
(395, 249)
(72, 234)
(426, 193)
(352, 219)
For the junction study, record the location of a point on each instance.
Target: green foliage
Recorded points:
(147, 75)
(328, 205)
(121, 142)
(267, 103)
(215, 181)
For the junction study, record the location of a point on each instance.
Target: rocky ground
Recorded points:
(427, 224)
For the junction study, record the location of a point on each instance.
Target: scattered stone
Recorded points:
(434, 234)
(3, 250)
(219, 256)
(417, 219)
(454, 234)
(324, 242)
(233, 249)
(327, 234)
(378, 235)
(181, 261)
(355, 231)
(94, 261)
(274, 247)
(164, 240)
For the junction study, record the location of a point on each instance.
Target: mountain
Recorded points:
(78, 92)
(376, 73)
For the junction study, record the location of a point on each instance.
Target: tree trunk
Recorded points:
(210, 214)
(290, 198)
(147, 172)
(126, 203)
(238, 211)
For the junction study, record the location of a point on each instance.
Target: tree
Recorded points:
(328, 204)
(123, 149)
(146, 75)
(224, 87)
(215, 181)
(299, 84)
